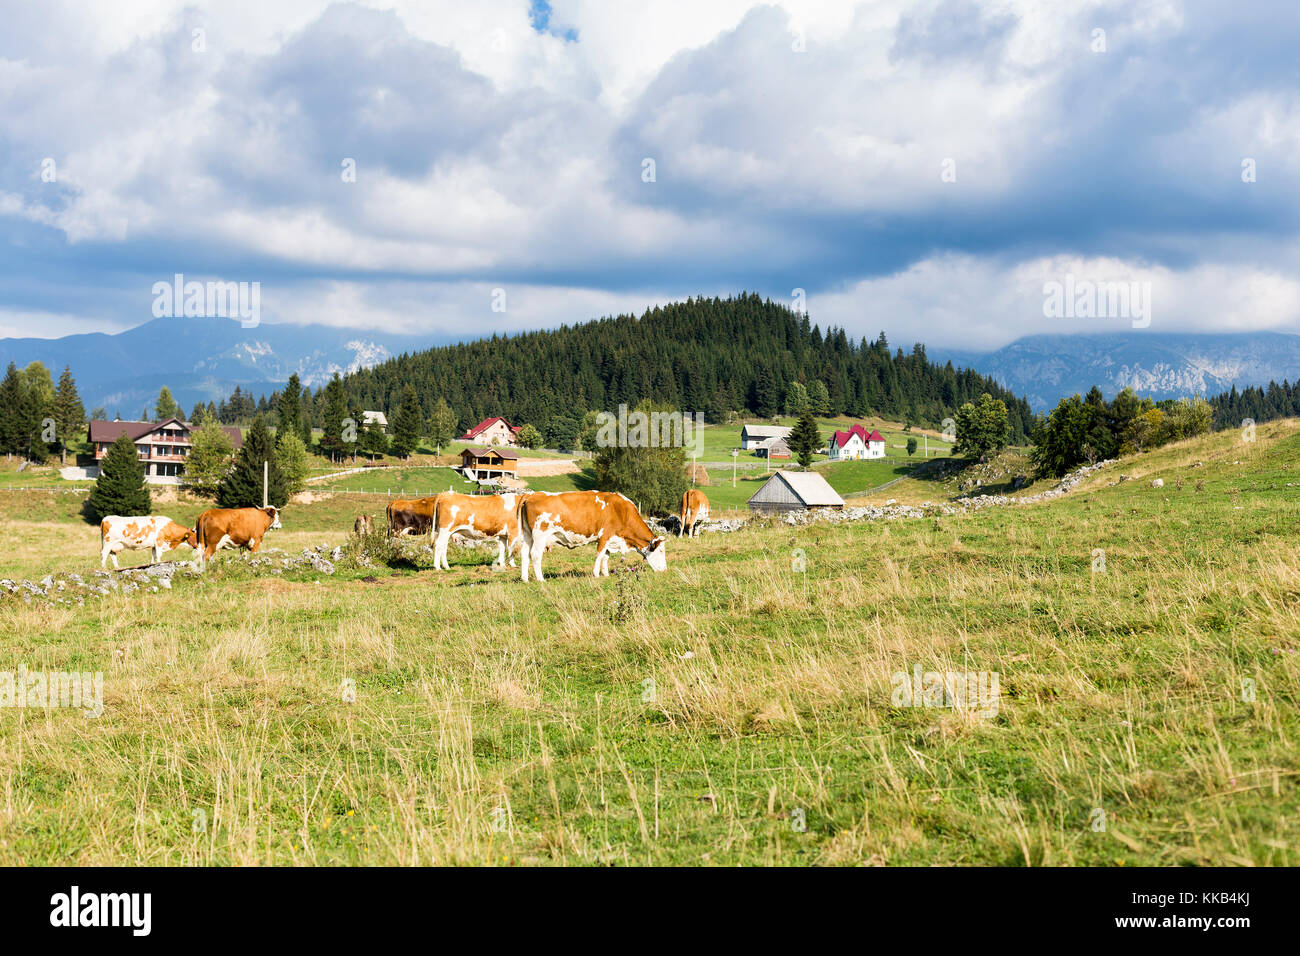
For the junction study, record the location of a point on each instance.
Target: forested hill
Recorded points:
(706, 355)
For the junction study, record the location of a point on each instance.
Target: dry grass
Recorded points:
(697, 716)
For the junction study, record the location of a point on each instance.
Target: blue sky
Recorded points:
(922, 168)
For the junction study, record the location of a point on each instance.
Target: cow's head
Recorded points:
(274, 514)
(654, 554)
(192, 538)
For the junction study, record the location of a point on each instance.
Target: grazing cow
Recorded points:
(161, 534)
(410, 516)
(479, 517)
(363, 525)
(574, 518)
(695, 511)
(239, 527)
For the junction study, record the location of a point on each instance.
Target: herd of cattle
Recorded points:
(525, 522)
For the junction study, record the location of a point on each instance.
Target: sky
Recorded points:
(922, 168)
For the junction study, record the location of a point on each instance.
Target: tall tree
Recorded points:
(442, 425)
(291, 454)
(336, 409)
(211, 455)
(407, 421)
(19, 416)
(804, 438)
(819, 398)
(120, 488)
(166, 407)
(289, 410)
(242, 487)
(653, 477)
(69, 413)
(373, 439)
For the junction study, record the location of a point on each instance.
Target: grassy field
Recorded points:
(719, 440)
(733, 710)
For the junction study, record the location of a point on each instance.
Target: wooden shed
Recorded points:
(795, 491)
(479, 464)
(773, 448)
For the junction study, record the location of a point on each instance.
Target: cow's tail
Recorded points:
(686, 504)
(388, 513)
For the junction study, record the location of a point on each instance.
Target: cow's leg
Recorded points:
(501, 552)
(104, 552)
(602, 558)
(157, 554)
(605, 565)
(254, 544)
(440, 550)
(536, 547)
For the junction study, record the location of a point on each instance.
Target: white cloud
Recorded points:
(491, 154)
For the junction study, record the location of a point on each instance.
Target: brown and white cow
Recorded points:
(479, 517)
(574, 518)
(363, 525)
(695, 511)
(410, 516)
(156, 532)
(238, 527)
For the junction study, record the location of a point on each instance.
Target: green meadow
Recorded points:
(740, 708)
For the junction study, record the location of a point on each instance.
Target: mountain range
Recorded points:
(1046, 368)
(203, 359)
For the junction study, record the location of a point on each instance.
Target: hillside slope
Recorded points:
(1146, 643)
(710, 356)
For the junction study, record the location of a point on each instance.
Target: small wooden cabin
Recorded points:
(795, 491)
(479, 464)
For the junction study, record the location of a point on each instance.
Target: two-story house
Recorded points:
(161, 446)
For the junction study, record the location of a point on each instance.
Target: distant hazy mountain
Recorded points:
(204, 359)
(1046, 368)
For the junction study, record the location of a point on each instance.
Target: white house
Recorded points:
(856, 443)
(369, 416)
(492, 431)
(752, 435)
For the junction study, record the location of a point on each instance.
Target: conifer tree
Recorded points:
(804, 438)
(242, 487)
(69, 413)
(406, 423)
(120, 488)
(166, 407)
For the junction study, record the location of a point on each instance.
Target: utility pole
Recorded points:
(735, 453)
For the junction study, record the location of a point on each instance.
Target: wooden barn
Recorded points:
(481, 464)
(795, 491)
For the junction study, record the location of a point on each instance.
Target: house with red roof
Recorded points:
(492, 431)
(856, 443)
